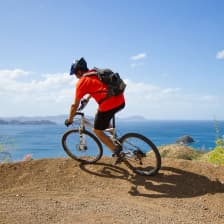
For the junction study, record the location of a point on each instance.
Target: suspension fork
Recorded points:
(82, 141)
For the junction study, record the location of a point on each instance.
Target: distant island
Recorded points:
(133, 118)
(30, 122)
(57, 119)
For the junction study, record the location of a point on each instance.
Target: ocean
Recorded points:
(44, 141)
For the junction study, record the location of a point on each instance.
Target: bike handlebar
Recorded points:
(79, 113)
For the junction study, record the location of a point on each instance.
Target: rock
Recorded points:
(185, 140)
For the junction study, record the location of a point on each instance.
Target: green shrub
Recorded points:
(193, 155)
(5, 144)
(4, 157)
(216, 156)
(220, 143)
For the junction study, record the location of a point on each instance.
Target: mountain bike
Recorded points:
(138, 152)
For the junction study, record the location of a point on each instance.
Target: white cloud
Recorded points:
(220, 54)
(145, 92)
(51, 94)
(13, 74)
(46, 84)
(38, 96)
(138, 56)
(155, 102)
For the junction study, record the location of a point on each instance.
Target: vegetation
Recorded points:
(216, 156)
(178, 151)
(5, 145)
(4, 156)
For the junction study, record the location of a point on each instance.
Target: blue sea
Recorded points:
(44, 141)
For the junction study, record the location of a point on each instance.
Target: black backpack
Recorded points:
(113, 81)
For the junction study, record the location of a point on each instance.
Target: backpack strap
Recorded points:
(95, 73)
(90, 73)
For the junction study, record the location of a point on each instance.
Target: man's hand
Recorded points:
(67, 122)
(73, 110)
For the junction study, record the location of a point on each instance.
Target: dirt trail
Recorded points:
(62, 191)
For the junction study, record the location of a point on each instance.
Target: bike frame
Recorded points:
(85, 122)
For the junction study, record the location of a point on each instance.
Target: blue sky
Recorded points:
(170, 52)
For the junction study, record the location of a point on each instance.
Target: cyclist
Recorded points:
(91, 86)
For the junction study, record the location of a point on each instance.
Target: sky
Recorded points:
(169, 52)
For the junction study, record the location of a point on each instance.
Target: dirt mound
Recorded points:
(178, 151)
(63, 191)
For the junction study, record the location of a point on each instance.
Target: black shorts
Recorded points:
(102, 119)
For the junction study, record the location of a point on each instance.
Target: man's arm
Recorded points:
(88, 98)
(73, 110)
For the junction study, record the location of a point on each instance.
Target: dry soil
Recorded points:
(63, 191)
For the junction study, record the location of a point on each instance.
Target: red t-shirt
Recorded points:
(98, 90)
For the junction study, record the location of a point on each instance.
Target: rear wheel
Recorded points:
(140, 154)
(86, 149)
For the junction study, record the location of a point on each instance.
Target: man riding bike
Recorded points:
(93, 87)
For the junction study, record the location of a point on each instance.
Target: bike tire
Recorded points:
(151, 161)
(70, 143)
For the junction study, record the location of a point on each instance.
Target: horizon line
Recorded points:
(122, 117)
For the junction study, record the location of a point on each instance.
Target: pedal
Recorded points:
(119, 158)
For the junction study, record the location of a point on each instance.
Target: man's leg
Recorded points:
(102, 122)
(105, 139)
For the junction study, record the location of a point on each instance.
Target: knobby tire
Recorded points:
(70, 148)
(151, 162)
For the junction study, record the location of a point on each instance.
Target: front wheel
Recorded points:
(140, 154)
(84, 147)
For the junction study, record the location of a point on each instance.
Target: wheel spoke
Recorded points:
(141, 154)
(86, 148)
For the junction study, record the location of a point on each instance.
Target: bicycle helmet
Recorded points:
(78, 65)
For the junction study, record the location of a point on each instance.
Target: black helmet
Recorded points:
(78, 65)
